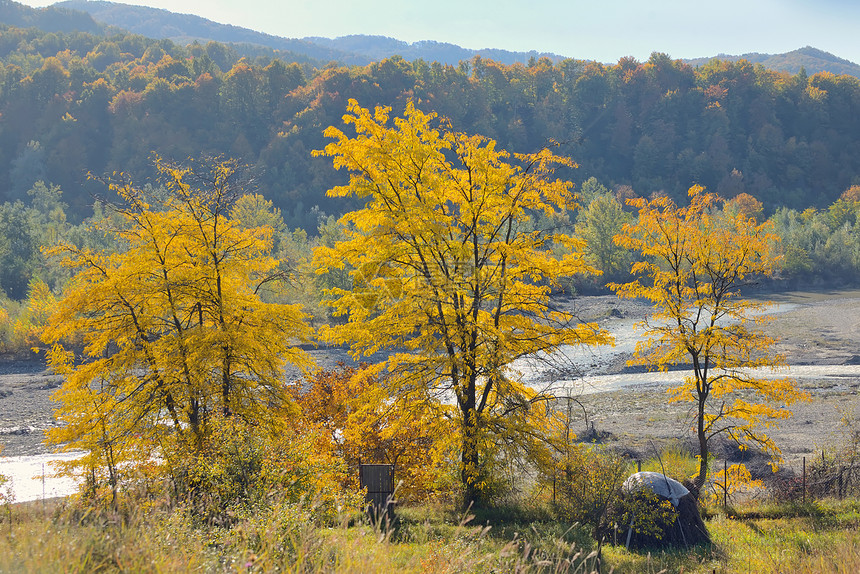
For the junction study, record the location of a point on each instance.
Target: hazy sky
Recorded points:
(603, 30)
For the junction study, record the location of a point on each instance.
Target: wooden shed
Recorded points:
(378, 479)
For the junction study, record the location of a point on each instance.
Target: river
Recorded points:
(33, 477)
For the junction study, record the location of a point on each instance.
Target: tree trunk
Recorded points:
(225, 383)
(702, 437)
(470, 461)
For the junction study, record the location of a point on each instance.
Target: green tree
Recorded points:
(27, 169)
(447, 275)
(254, 210)
(598, 225)
(19, 250)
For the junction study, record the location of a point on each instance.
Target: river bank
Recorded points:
(818, 333)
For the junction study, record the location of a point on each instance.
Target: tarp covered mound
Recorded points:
(658, 483)
(688, 528)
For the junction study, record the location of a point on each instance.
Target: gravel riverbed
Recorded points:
(815, 330)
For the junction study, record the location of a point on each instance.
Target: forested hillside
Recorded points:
(49, 19)
(78, 103)
(808, 58)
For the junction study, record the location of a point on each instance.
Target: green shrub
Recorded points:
(587, 486)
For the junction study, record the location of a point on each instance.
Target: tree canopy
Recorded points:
(446, 271)
(78, 103)
(172, 329)
(694, 261)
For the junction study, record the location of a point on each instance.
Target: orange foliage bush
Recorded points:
(364, 424)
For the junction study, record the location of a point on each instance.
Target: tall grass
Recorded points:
(63, 537)
(69, 536)
(50, 538)
(807, 538)
(142, 534)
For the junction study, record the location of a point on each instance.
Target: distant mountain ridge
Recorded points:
(355, 49)
(186, 28)
(94, 16)
(49, 19)
(808, 58)
(379, 47)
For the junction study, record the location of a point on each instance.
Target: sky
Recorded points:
(602, 30)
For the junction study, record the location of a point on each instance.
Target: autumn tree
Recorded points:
(446, 274)
(363, 426)
(745, 204)
(171, 330)
(694, 261)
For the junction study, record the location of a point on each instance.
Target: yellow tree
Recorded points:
(171, 329)
(694, 261)
(362, 424)
(447, 273)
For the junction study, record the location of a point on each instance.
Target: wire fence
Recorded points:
(827, 476)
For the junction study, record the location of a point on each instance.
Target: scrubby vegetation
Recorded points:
(150, 532)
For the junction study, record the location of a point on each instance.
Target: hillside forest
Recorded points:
(74, 107)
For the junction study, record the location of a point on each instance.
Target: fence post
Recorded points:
(726, 486)
(804, 481)
(839, 479)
